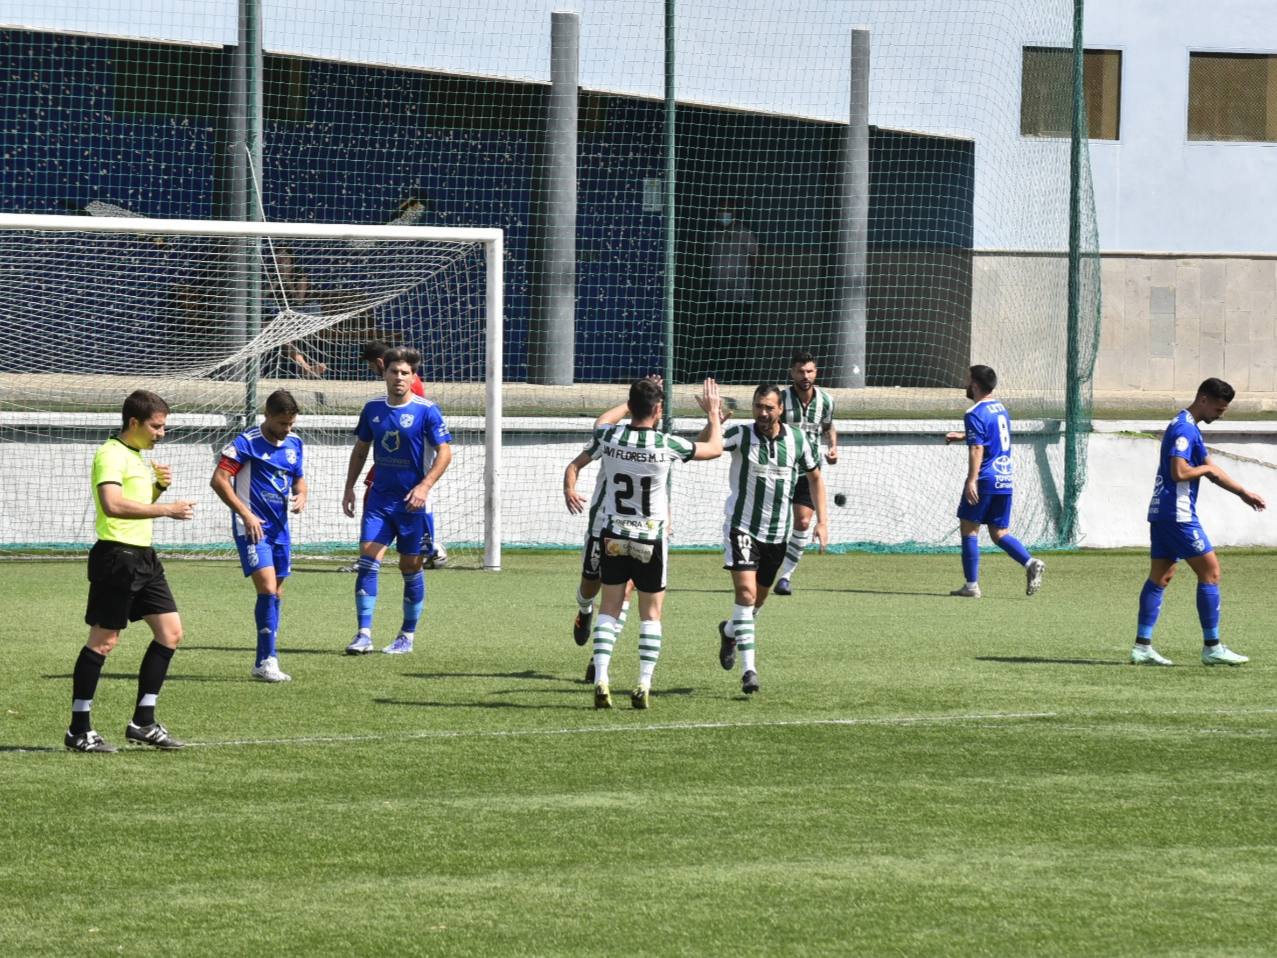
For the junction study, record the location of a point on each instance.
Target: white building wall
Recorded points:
(1154, 189)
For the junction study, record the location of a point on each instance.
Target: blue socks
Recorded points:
(414, 594)
(1015, 549)
(266, 615)
(1150, 609)
(1208, 612)
(414, 599)
(971, 558)
(366, 590)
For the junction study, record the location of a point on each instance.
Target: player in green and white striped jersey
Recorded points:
(811, 409)
(592, 553)
(768, 457)
(636, 461)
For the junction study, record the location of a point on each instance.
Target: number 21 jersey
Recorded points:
(636, 464)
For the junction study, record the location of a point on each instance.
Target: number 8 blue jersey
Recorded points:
(988, 424)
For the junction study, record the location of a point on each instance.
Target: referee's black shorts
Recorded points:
(126, 583)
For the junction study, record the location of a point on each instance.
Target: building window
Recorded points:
(1046, 92)
(1232, 96)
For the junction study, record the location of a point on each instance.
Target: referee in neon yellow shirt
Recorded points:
(126, 580)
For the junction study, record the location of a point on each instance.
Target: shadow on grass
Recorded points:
(247, 650)
(504, 704)
(30, 748)
(1043, 660)
(727, 591)
(528, 674)
(132, 677)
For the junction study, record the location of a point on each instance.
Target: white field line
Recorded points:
(894, 720)
(889, 721)
(880, 721)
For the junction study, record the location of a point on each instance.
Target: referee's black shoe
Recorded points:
(89, 741)
(155, 735)
(726, 647)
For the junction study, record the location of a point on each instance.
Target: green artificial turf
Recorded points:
(920, 775)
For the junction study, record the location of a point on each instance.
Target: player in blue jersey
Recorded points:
(411, 449)
(986, 495)
(1175, 533)
(259, 476)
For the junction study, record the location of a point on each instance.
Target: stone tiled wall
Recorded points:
(1168, 322)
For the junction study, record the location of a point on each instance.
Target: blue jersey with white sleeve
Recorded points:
(1177, 501)
(403, 440)
(988, 424)
(264, 473)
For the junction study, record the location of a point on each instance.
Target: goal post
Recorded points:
(96, 306)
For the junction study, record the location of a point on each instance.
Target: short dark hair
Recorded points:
(1216, 389)
(401, 354)
(764, 388)
(142, 404)
(281, 402)
(801, 357)
(645, 396)
(984, 377)
(374, 349)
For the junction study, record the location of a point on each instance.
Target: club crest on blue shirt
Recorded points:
(390, 440)
(291, 456)
(405, 420)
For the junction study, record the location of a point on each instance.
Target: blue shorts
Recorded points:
(388, 520)
(263, 555)
(993, 509)
(1177, 540)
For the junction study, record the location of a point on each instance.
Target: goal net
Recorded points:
(214, 316)
(937, 239)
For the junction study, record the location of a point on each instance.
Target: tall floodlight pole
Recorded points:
(246, 84)
(1073, 411)
(668, 308)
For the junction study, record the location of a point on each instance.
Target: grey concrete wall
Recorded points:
(1170, 321)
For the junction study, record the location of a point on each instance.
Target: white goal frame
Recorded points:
(492, 241)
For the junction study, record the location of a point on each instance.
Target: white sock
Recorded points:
(649, 650)
(620, 619)
(604, 638)
(743, 620)
(794, 551)
(739, 614)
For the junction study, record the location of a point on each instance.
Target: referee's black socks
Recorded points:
(84, 685)
(150, 677)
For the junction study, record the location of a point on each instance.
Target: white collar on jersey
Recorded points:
(981, 403)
